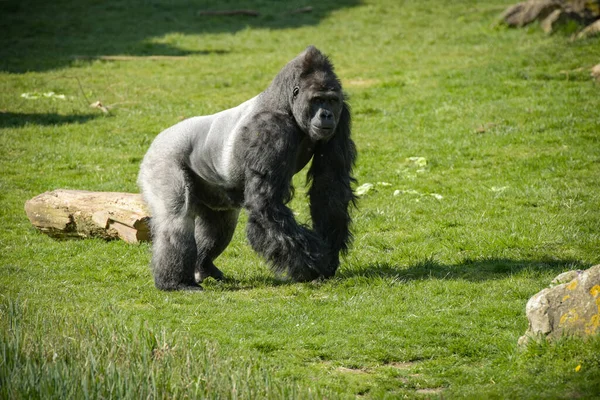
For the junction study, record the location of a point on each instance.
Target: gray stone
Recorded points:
(587, 10)
(583, 12)
(590, 30)
(570, 308)
(524, 13)
(558, 18)
(565, 277)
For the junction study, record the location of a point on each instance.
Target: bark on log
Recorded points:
(79, 213)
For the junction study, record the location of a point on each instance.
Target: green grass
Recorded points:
(431, 300)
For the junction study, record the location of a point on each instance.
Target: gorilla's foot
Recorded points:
(169, 287)
(190, 288)
(209, 271)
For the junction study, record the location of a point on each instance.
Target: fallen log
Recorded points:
(82, 214)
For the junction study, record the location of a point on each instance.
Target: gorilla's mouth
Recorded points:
(323, 130)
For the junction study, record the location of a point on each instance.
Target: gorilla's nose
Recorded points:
(326, 114)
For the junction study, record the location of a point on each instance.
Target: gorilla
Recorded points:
(198, 173)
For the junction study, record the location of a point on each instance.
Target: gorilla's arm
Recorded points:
(330, 193)
(272, 230)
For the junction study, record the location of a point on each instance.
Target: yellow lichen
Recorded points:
(595, 290)
(572, 285)
(569, 318)
(592, 326)
(566, 297)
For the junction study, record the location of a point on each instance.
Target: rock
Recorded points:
(570, 308)
(566, 277)
(549, 24)
(512, 16)
(559, 18)
(588, 10)
(581, 11)
(524, 13)
(590, 30)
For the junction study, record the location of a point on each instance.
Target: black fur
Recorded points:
(199, 173)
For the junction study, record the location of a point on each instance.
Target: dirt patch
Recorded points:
(351, 370)
(430, 390)
(359, 82)
(403, 365)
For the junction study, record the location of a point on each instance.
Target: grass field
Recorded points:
(430, 301)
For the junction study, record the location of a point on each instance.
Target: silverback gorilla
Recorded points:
(199, 173)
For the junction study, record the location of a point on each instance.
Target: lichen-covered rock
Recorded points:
(566, 277)
(571, 308)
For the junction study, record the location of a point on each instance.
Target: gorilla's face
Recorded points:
(317, 106)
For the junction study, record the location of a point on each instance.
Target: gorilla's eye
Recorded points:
(296, 90)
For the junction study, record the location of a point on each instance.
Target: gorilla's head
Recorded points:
(316, 95)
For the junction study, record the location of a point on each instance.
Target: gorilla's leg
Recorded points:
(214, 230)
(174, 252)
(167, 191)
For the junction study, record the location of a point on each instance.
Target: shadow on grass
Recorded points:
(38, 36)
(234, 285)
(470, 270)
(16, 120)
